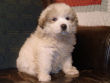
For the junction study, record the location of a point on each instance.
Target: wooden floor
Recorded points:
(86, 76)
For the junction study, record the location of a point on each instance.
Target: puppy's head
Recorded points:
(58, 18)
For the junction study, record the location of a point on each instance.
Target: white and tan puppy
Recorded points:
(49, 48)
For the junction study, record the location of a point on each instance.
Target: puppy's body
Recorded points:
(49, 48)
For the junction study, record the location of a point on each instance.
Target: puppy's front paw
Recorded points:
(44, 77)
(72, 72)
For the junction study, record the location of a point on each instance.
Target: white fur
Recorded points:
(49, 48)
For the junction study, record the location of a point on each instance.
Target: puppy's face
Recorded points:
(58, 19)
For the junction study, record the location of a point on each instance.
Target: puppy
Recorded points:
(49, 48)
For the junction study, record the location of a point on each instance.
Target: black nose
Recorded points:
(63, 26)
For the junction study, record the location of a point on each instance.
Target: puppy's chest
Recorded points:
(63, 47)
(59, 54)
(56, 62)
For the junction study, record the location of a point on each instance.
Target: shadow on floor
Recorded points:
(86, 76)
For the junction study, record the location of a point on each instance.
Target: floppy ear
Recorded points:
(42, 20)
(43, 17)
(75, 19)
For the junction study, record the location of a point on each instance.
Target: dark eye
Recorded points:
(54, 19)
(67, 18)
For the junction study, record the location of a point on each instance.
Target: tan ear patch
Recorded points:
(41, 21)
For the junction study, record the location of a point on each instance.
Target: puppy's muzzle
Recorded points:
(63, 27)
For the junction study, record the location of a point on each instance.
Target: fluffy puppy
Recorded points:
(49, 48)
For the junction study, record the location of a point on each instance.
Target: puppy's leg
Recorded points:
(68, 68)
(44, 67)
